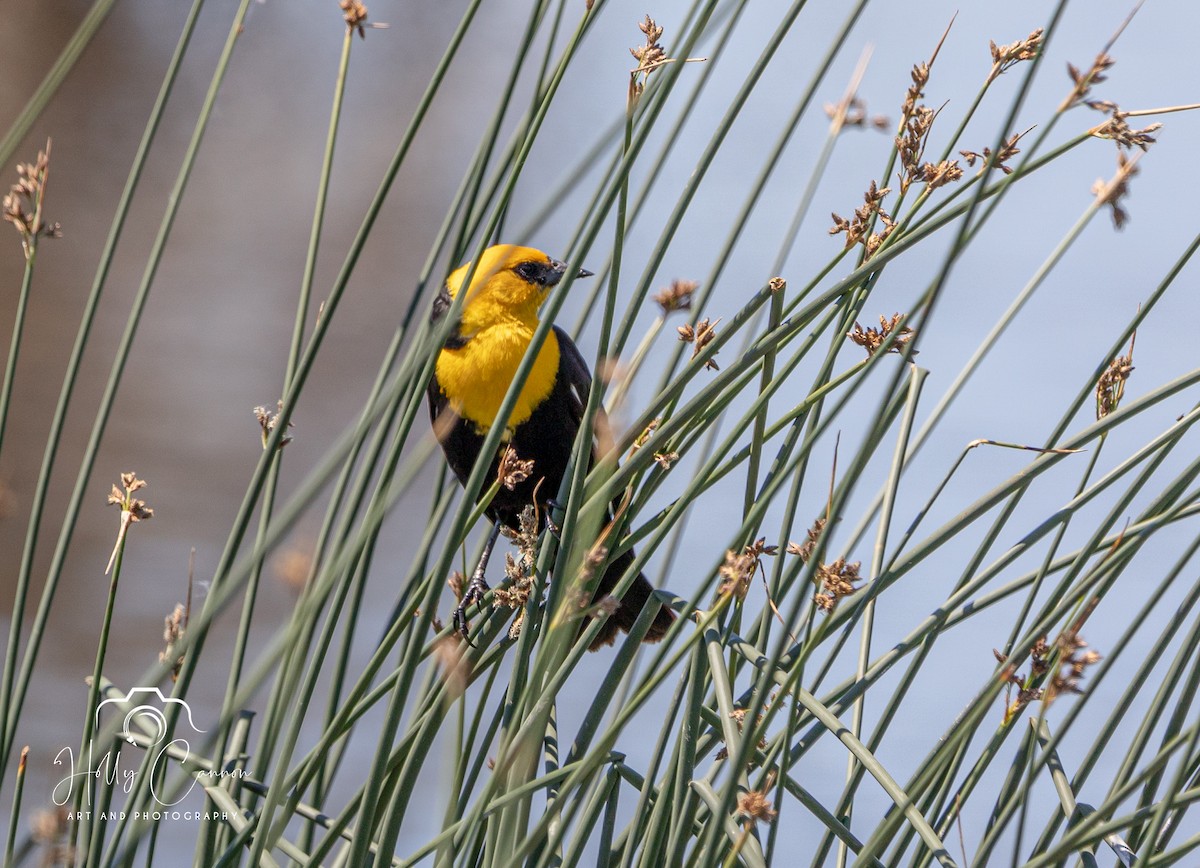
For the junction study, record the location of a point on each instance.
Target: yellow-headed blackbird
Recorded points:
(474, 370)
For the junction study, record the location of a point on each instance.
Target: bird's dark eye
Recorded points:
(529, 271)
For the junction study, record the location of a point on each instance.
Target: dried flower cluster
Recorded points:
(512, 471)
(916, 90)
(355, 16)
(1073, 662)
(1115, 128)
(1007, 151)
(756, 806)
(649, 56)
(1118, 129)
(23, 203)
(1111, 193)
(836, 580)
(1004, 57)
(268, 420)
(736, 574)
(174, 628)
(739, 569)
(940, 174)
(759, 547)
(1082, 81)
(855, 115)
(677, 296)
(136, 508)
(910, 147)
(738, 715)
(916, 120)
(522, 578)
(810, 544)
(1066, 657)
(872, 339)
(132, 509)
(910, 144)
(858, 230)
(1110, 387)
(700, 336)
(665, 459)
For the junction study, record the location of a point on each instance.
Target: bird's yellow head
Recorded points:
(510, 283)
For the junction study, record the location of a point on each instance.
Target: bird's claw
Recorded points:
(476, 588)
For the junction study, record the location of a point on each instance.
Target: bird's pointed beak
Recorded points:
(558, 269)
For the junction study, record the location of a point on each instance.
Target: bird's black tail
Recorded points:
(636, 597)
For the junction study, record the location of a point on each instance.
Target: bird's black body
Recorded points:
(546, 437)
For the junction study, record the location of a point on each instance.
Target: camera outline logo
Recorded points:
(148, 718)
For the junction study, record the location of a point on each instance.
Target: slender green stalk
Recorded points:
(14, 687)
(62, 66)
(15, 814)
(14, 346)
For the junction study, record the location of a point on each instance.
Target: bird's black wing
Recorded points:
(574, 373)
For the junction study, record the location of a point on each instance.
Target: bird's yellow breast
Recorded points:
(476, 376)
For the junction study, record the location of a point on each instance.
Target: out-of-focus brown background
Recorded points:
(213, 339)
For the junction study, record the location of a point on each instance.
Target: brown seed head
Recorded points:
(649, 56)
(700, 336)
(512, 471)
(910, 144)
(1004, 57)
(22, 206)
(916, 90)
(1082, 81)
(519, 571)
(872, 339)
(677, 296)
(1006, 153)
(1112, 192)
(805, 550)
(1110, 387)
(267, 421)
(665, 459)
(945, 172)
(756, 806)
(836, 580)
(1117, 129)
(736, 574)
(355, 16)
(132, 509)
(858, 230)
